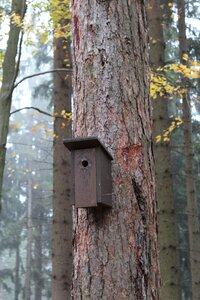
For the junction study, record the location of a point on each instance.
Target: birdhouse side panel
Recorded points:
(104, 178)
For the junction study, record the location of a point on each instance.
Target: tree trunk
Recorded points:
(38, 261)
(17, 281)
(115, 250)
(27, 286)
(192, 208)
(62, 215)
(10, 71)
(167, 231)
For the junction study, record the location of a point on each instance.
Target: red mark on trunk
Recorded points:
(76, 31)
(130, 157)
(131, 244)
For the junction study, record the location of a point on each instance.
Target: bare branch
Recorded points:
(31, 107)
(43, 73)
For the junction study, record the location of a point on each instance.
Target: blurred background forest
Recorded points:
(28, 192)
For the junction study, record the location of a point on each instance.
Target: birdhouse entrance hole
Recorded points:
(84, 163)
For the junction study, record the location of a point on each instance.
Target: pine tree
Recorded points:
(192, 208)
(167, 231)
(62, 212)
(10, 70)
(115, 251)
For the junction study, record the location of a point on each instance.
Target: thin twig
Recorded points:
(42, 73)
(31, 107)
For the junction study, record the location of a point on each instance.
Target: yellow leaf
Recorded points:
(166, 139)
(16, 19)
(185, 56)
(158, 138)
(15, 126)
(195, 75)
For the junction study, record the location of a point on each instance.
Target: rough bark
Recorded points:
(192, 207)
(27, 284)
(62, 215)
(167, 231)
(115, 250)
(10, 71)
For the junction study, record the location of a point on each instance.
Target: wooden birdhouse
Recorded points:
(91, 172)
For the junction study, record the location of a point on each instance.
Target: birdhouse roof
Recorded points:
(84, 143)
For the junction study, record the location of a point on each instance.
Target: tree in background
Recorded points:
(167, 223)
(27, 282)
(11, 224)
(38, 215)
(115, 251)
(62, 213)
(192, 208)
(10, 69)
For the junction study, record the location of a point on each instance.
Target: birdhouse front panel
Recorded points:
(85, 178)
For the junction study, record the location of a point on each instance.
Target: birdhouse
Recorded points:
(91, 172)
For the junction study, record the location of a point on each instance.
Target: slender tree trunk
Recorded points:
(27, 286)
(115, 250)
(192, 208)
(167, 231)
(38, 261)
(10, 71)
(17, 281)
(62, 215)
(1, 284)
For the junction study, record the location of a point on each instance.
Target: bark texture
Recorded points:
(192, 207)
(62, 214)
(10, 71)
(115, 250)
(167, 231)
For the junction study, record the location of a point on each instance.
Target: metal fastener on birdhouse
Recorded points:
(91, 172)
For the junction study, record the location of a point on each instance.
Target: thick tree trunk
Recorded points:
(17, 281)
(27, 285)
(10, 71)
(62, 214)
(115, 250)
(192, 207)
(167, 231)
